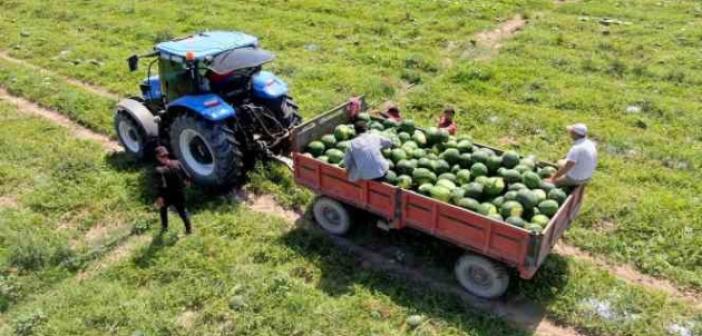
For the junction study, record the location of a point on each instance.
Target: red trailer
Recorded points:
(491, 244)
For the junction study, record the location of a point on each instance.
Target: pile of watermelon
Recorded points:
(506, 187)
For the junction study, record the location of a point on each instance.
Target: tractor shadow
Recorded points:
(416, 271)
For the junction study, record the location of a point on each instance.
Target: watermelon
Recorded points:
(334, 155)
(441, 193)
(480, 156)
(455, 168)
(419, 137)
(487, 209)
(323, 158)
(424, 163)
(441, 166)
(517, 186)
(451, 155)
(407, 125)
(498, 201)
(404, 181)
(546, 186)
(464, 146)
(527, 198)
(418, 153)
(463, 176)
(510, 159)
(343, 145)
(494, 187)
(482, 180)
(533, 227)
(425, 189)
(531, 179)
(389, 123)
(328, 140)
(448, 176)
(446, 184)
(404, 136)
(511, 195)
(443, 135)
(404, 167)
(449, 144)
(391, 177)
(478, 169)
(468, 203)
(376, 126)
(423, 175)
(316, 148)
(343, 132)
(547, 172)
(391, 165)
(363, 116)
(493, 163)
(474, 190)
(387, 152)
(557, 195)
(522, 168)
(540, 195)
(512, 176)
(496, 216)
(457, 194)
(433, 135)
(540, 220)
(515, 221)
(511, 208)
(432, 156)
(548, 207)
(465, 160)
(398, 154)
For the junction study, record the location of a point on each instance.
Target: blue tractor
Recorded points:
(211, 104)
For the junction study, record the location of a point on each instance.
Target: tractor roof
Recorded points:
(207, 43)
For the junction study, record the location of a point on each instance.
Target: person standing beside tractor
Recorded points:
(171, 180)
(446, 121)
(364, 160)
(581, 161)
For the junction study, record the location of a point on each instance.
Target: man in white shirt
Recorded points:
(364, 159)
(581, 161)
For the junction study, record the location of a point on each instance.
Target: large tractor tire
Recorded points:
(208, 150)
(136, 129)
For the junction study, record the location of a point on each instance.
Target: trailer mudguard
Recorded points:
(209, 106)
(266, 85)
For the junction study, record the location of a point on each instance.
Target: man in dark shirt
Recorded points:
(171, 180)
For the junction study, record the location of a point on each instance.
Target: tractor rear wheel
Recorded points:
(208, 150)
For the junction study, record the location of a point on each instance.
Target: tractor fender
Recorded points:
(266, 85)
(209, 106)
(140, 114)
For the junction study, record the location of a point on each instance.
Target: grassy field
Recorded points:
(635, 80)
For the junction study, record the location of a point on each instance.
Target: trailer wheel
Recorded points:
(481, 277)
(332, 216)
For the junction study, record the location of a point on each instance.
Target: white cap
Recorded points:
(579, 128)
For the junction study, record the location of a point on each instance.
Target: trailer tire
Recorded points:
(481, 276)
(332, 216)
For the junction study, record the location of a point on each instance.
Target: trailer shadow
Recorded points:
(416, 271)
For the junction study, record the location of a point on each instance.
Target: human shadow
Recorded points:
(416, 271)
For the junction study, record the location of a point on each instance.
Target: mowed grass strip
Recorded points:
(242, 272)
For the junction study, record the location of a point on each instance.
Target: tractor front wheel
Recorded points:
(131, 135)
(208, 150)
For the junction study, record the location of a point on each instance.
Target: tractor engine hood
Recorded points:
(240, 58)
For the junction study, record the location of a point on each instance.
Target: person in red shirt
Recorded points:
(446, 121)
(392, 113)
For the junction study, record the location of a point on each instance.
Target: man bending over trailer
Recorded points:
(364, 159)
(581, 161)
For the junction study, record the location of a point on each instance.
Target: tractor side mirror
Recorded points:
(133, 62)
